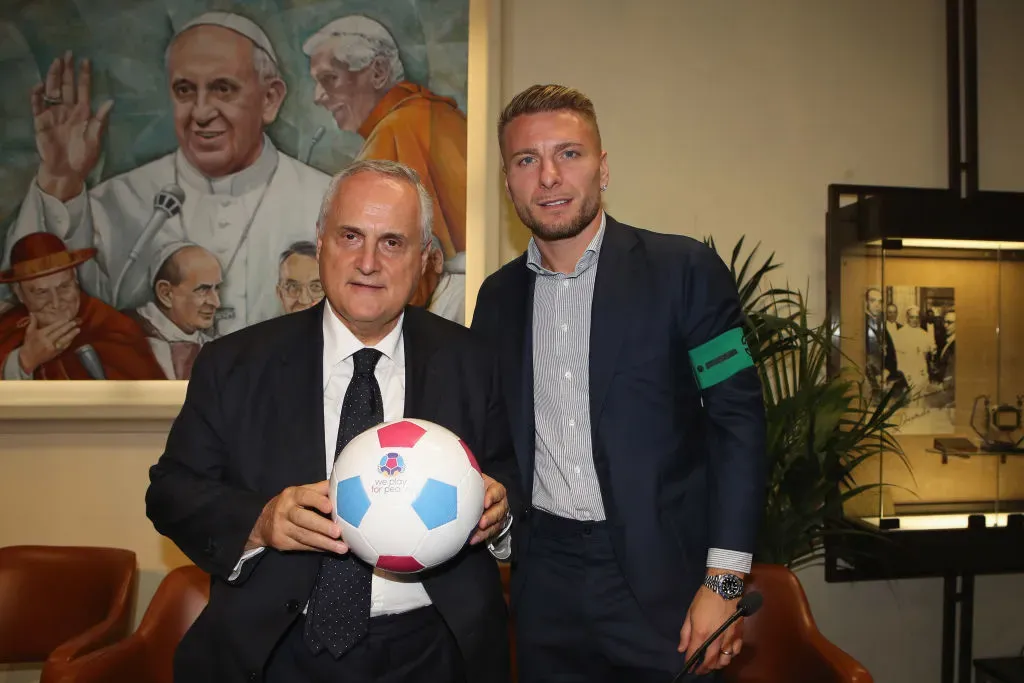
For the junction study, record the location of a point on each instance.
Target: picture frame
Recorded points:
(162, 399)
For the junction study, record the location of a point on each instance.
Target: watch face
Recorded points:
(732, 586)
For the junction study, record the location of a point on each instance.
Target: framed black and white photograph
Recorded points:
(910, 336)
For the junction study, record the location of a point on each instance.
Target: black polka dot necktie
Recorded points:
(339, 609)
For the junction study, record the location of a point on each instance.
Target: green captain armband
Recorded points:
(721, 358)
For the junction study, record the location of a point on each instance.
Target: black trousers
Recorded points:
(412, 647)
(576, 617)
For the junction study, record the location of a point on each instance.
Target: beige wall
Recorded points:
(731, 118)
(722, 118)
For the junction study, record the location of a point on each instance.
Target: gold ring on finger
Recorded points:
(51, 101)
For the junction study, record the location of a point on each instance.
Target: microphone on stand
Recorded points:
(748, 604)
(91, 360)
(166, 204)
(317, 134)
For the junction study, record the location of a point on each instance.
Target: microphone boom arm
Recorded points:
(166, 204)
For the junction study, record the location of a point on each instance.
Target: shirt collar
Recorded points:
(589, 257)
(166, 327)
(340, 343)
(254, 176)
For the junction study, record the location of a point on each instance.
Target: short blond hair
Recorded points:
(545, 98)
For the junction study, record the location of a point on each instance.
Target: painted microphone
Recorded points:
(91, 361)
(166, 204)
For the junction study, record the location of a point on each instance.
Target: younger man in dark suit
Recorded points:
(637, 417)
(241, 486)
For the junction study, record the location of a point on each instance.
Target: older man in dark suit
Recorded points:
(241, 486)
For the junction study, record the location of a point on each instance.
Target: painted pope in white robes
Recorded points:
(244, 200)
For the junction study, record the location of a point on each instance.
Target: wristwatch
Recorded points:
(729, 586)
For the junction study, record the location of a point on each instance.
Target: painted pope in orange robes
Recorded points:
(361, 81)
(59, 332)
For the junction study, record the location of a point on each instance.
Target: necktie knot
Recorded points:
(366, 360)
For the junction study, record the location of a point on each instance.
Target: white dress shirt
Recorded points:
(389, 592)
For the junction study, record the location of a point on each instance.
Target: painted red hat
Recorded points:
(41, 253)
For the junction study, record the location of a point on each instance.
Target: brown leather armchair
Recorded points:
(147, 656)
(781, 642)
(58, 603)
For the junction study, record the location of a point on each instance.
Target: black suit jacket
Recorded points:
(252, 425)
(681, 469)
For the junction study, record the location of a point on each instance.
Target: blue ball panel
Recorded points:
(437, 503)
(352, 501)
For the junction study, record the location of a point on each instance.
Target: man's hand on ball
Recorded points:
(495, 509)
(291, 520)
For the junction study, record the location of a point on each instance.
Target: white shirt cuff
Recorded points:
(12, 366)
(729, 559)
(247, 555)
(61, 218)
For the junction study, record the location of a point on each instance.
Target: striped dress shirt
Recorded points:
(564, 477)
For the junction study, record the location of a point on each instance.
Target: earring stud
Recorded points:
(603, 188)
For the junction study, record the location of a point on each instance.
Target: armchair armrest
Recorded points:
(114, 628)
(123, 662)
(110, 630)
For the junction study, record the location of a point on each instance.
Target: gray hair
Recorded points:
(388, 169)
(356, 41)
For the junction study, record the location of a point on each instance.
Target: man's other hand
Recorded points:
(495, 509)
(292, 520)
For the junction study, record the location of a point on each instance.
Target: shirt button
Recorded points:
(565, 283)
(568, 375)
(572, 422)
(564, 327)
(576, 469)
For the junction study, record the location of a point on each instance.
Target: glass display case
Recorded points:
(927, 290)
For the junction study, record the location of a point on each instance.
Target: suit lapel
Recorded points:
(419, 347)
(521, 393)
(609, 312)
(301, 397)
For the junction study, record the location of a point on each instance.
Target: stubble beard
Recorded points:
(564, 230)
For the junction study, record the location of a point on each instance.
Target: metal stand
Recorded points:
(957, 659)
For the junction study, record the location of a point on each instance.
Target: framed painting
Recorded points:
(165, 162)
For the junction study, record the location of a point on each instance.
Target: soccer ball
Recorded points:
(407, 494)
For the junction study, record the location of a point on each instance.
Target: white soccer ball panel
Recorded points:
(471, 496)
(358, 544)
(448, 462)
(394, 528)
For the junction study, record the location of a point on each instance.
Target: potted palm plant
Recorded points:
(820, 425)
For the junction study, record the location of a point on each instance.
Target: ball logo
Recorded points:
(391, 464)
